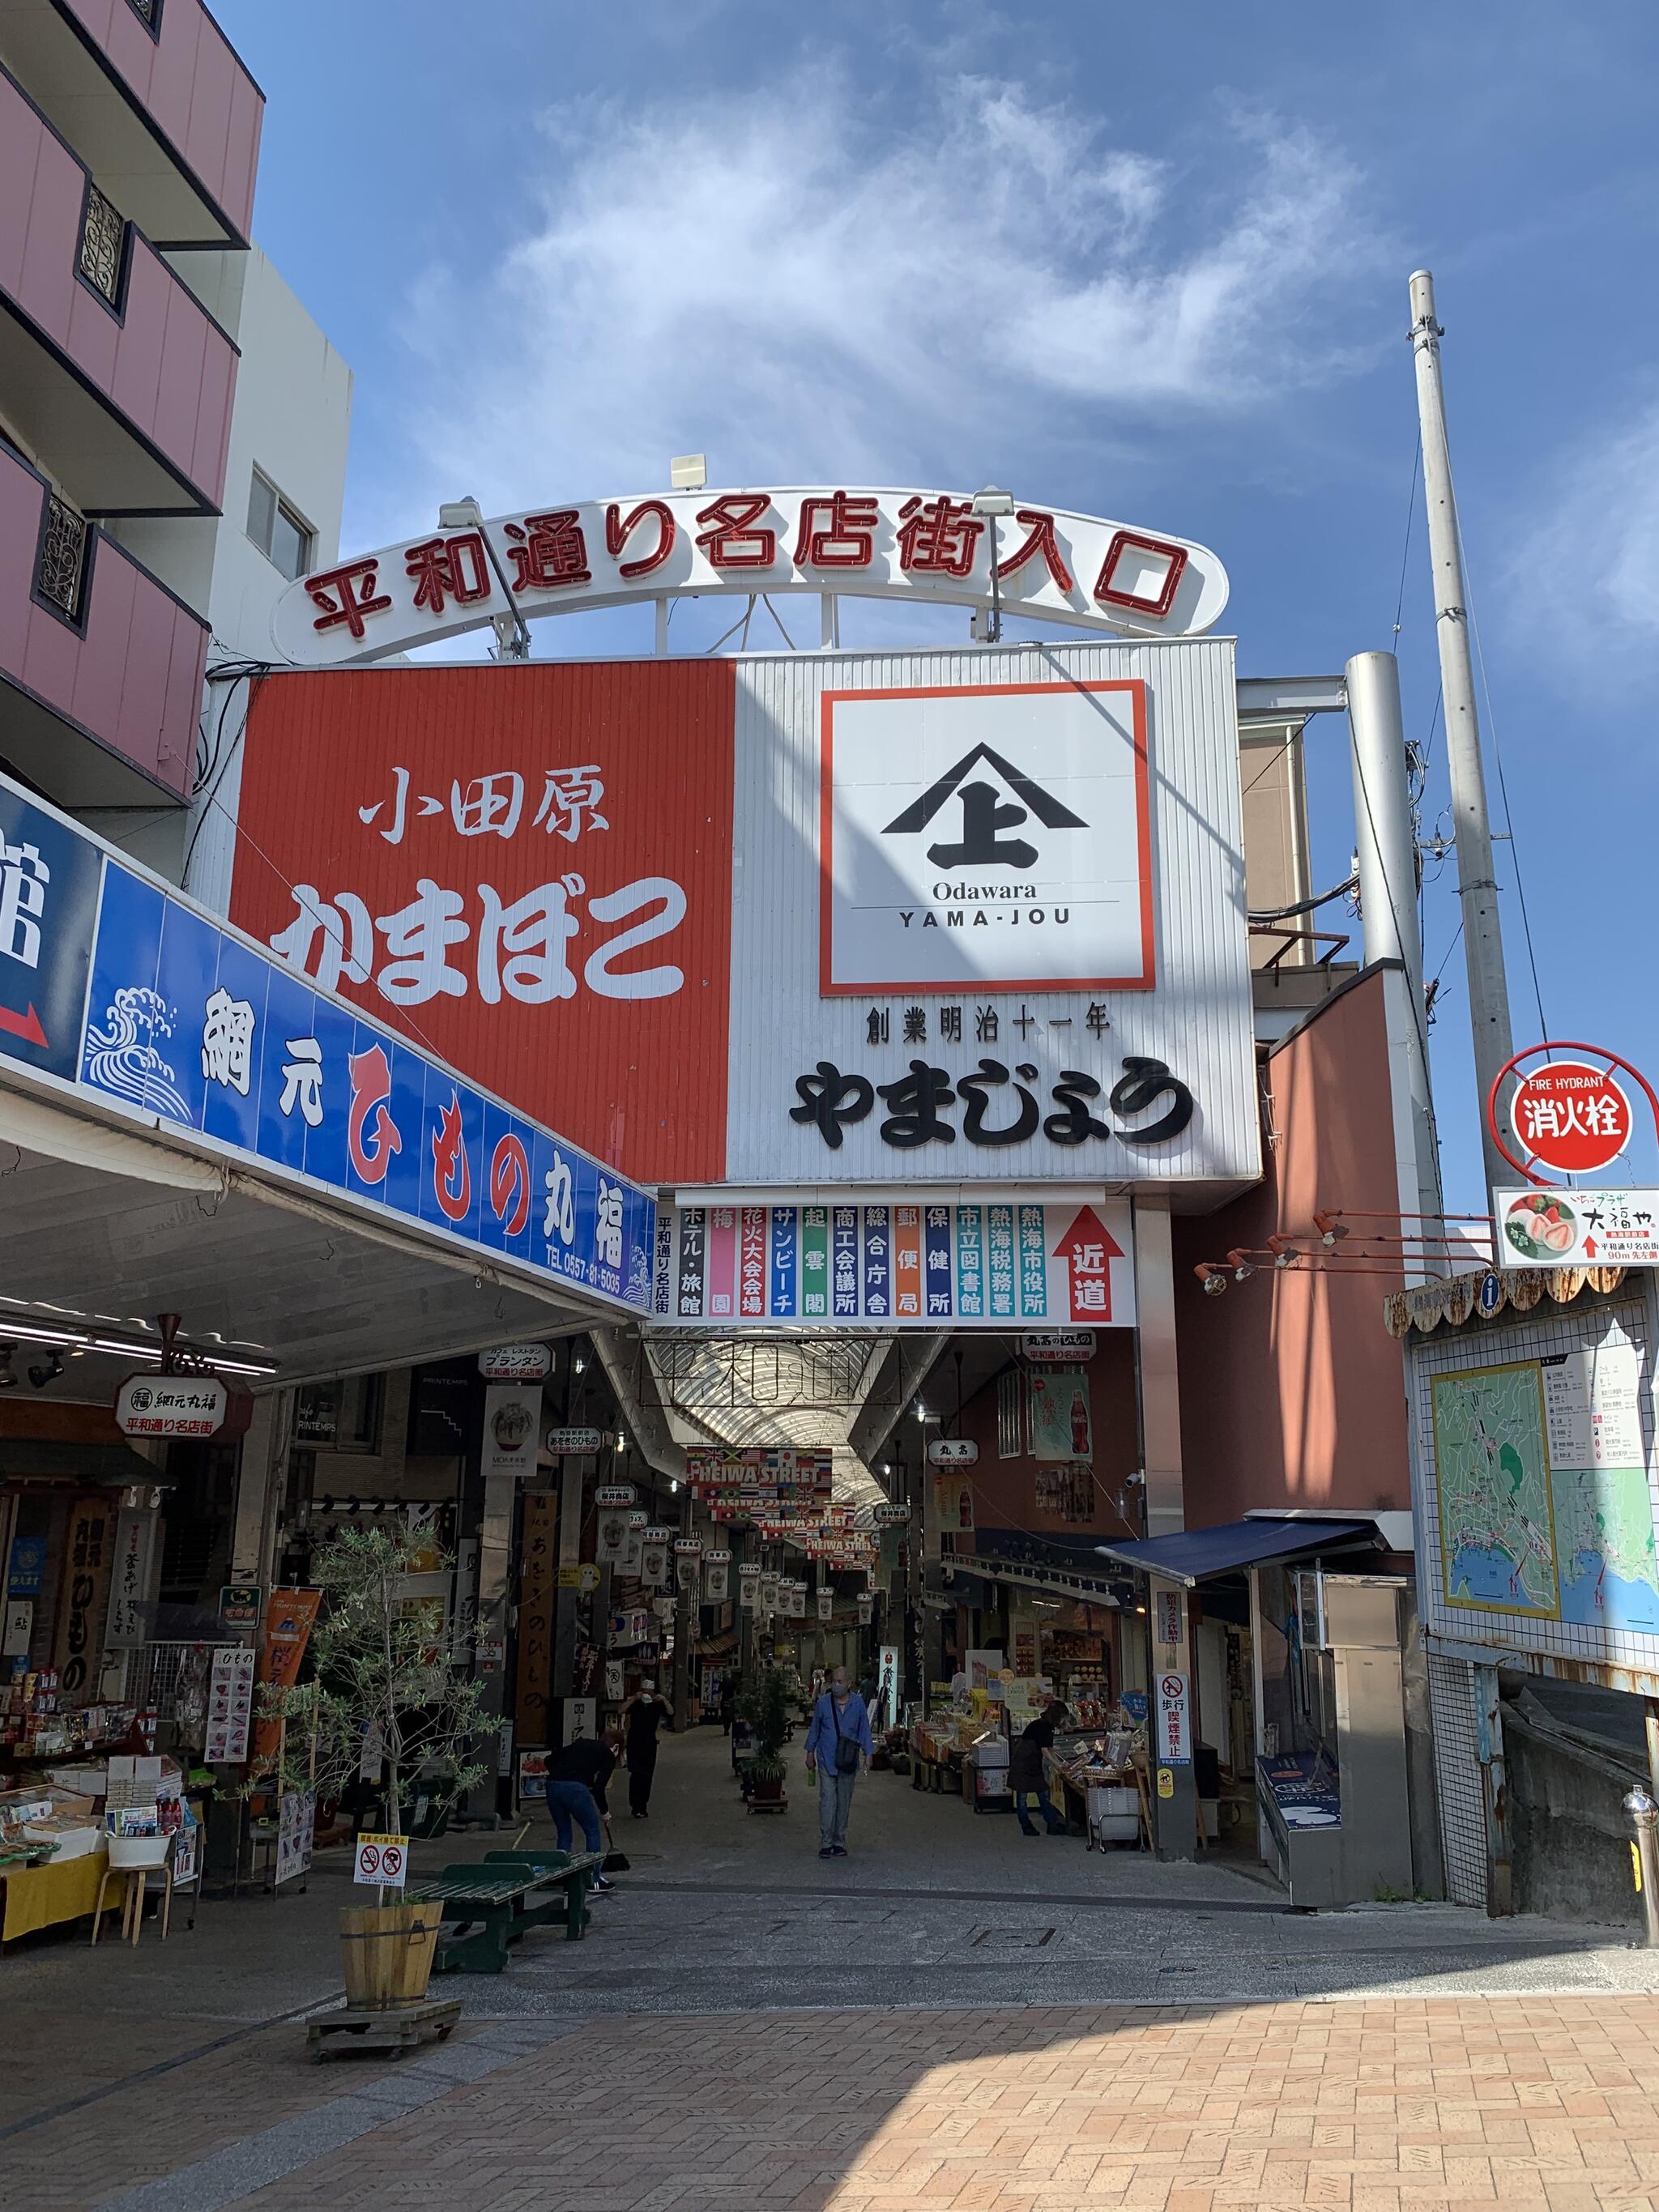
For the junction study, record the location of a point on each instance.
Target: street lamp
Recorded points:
(991, 505)
(512, 634)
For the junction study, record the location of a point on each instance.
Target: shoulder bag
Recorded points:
(847, 1749)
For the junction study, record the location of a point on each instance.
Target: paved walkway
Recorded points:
(953, 2014)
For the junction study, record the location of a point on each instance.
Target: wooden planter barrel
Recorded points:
(385, 1951)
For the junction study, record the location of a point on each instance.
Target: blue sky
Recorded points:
(1148, 263)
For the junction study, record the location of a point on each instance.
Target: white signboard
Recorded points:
(1174, 1746)
(171, 1406)
(230, 1705)
(1059, 1347)
(581, 1718)
(19, 1628)
(296, 1815)
(611, 1548)
(559, 1440)
(1593, 1407)
(615, 1493)
(952, 1452)
(382, 1861)
(1002, 941)
(1552, 1228)
(568, 557)
(980, 839)
(129, 1593)
(512, 1411)
(516, 1362)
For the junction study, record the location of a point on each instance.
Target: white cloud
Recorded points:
(1588, 572)
(784, 283)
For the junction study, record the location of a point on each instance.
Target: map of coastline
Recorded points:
(1609, 1573)
(1497, 1518)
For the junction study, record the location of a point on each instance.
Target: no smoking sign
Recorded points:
(382, 1861)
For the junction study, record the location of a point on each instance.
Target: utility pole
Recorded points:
(1477, 887)
(1385, 842)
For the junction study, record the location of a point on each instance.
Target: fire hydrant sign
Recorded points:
(1174, 1738)
(171, 1406)
(382, 1861)
(1573, 1117)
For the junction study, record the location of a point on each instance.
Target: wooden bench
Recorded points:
(488, 1907)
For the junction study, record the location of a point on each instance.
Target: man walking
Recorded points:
(642, 1716)
(1026, 1777)
(576, 1779)
(837, 1744)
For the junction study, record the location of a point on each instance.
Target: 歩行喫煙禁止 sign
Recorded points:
(1174, 1744)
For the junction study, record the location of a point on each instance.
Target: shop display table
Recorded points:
(488, 1907)
(62, 1889)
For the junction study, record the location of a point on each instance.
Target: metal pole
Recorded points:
(996, 583)
(1385, 838)
(1477, 887)
(1645, 1818)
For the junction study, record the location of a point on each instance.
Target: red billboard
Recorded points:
(527, 869)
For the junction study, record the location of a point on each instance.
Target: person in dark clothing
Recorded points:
(642, 1716)
(576, 1779)
(1025, 1776)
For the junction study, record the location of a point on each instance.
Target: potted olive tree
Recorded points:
(766, 1708)
(381, 1699)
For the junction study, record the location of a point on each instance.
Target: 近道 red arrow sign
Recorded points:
(27, 1026)
(1088, 1248)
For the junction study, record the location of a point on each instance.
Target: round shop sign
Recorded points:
(1571, 1116)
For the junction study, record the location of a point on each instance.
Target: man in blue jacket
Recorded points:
(837, 1744)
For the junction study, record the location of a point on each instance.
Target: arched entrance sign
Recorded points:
(1077, 571)
(1569, 1113)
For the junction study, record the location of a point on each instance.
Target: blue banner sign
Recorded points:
(112, 982)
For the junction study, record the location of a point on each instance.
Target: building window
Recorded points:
(280, 534)
(60, 575)
(103, 244)
(1011, 1414)
(342, 1416)
(148, 13)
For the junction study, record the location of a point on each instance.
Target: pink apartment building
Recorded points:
(128, 142)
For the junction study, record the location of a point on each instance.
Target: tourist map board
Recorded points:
(1545, 1502)
(1497, 1522)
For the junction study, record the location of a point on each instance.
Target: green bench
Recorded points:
(488, 1906)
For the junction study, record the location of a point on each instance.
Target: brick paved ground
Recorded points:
(1534, 2101)
(665, 2061)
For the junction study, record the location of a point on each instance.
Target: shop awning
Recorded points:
(1070, 1566)
(1195, 1555)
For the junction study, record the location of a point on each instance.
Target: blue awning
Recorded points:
(1195, 1555)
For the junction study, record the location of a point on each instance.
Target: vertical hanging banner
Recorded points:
(83, 1599)
(1000, 1265)
(290, 1615)
(511, 1418)
(537, 1597)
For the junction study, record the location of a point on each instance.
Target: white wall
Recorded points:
(292, 419)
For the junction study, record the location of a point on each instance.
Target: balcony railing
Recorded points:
(103, 242)
(60, 575)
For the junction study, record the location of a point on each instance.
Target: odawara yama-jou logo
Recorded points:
(986, 828)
